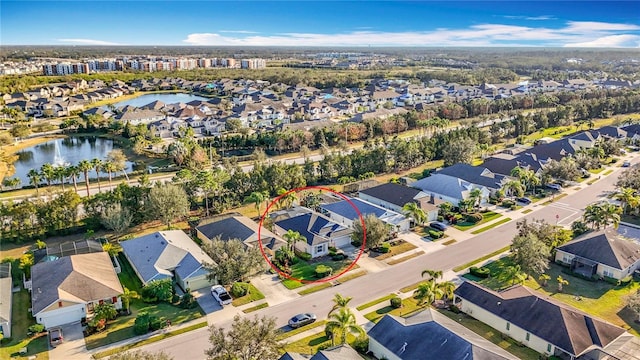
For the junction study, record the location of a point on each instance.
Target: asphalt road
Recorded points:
(366, 288)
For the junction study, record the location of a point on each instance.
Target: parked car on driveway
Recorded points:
(221, 295)
(302, 320)
(438, 226)
(627, 163)
(524, 200)
(556, 187)
(55, 336)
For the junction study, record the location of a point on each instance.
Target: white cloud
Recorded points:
(531, 18)
(86, 42)
(588, 34)
(611, 41)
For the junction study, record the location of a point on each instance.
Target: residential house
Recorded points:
(340, 352)
(318, 230)
(136, 116)
(66, 290)
(601, 253)
(429, 335)
(545, 325)
(503, 163)
(346, 212)
(584, 140)
(168, 255)
(236, 226)
(394, 196)
(6, 299)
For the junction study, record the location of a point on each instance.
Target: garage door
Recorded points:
(198, 282)
(342, 241)
(62, 316)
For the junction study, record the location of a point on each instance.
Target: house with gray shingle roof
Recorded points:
(65, 290)
(430, 335)
(538, 322)
(6, 299)
(318, 230)
(601, 253)
(340, 352)
(166, 255)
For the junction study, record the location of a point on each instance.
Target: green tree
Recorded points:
(48, 171)
(34, 179)
(287, 198)
(110, 168)
(339, 302)
(159, 289)
(232, 260)
(19, 131)
(415, 212)
(167, 202)
(342, 323)
(628, 199)
(544, 278)
(292, 237)
(85, 166)
(602, 214)
(73, 172)
(513, 188)
(105, 311)
(376, 231)
(633, 302)
(428, 292)
(117, 218)
(126, 298)
(248, 339)
(257, 198)
(433, 274)
(530, 253)
(97, 166)
(460, 151)
(26, 262)
(561, 282)
(119, 161)
(112, 249)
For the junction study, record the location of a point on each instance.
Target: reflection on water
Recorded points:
(71, 149)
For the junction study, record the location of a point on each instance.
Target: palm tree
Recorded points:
(339, 302)
(48, 171)
(544, 278)
(433, 274)
(343, 322)
(110, 168)
(602, 214)
(97, 165)
(513, 188)
(415, 212)
(34, 179)
(292, 237)
(628, 199)
(61, 174)
(73, 173)
(447, 288)
(428, 292)
(85, 166)
(126, 297)
(287, 198)
(257, 198)
(561, 282)
(475, 195)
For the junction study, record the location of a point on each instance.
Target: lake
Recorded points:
(70, 150)
(171, 98)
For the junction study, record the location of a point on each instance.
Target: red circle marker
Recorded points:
(296, 190)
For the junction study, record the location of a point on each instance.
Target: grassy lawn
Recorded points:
(21, 319)
(403, 246)
(630, 219)
(307, 271)
(122, 327)
(409, 306)
(497, 223)
(449, 242)
(301, 329)
(527, 211)
(480, 259)
(255, 308)
(608, 172)
(405, 258)
(598, 298)
(344, 278)
(375, 302)
(554, 198)
(486, 217)
(311, 344)
(492, 335)
(253, 294)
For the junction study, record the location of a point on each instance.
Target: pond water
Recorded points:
(165, 98)
(69, 150)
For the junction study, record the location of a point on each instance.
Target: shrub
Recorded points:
(508, 203)
(239, 289)
(473, 218)
(610, 280)
(384, 248)
(361, 344)
(625, 281)
(338, 256)
(454, 309)
(513, 207)
(156, 323)
(578, 227)
(36, 328)
(141, 324)
(481, 272)
(435, 234)
(356, 243)
(440, 218)
(304, 256)
(396, 302)
(332, 249)
(322, 271)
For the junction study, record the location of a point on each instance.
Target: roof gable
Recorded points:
(394, 193)
(606, 247)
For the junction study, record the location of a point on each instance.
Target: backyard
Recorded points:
(21, 320)
(122, 327)
(598, 298)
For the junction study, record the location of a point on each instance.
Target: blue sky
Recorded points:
(326, 23)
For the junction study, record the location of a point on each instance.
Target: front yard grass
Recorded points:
(21, 319)
(375, 302)
(599, 298)
(409, 307)
(313, 343)
(489, 333)
(486, 217)
(307, 271)
(301, 329)
(122, 327)
(497, 223)
(255, 308)
(405, 258)
(402, 247)
(555, 198)
(483, 258)
(253, 294)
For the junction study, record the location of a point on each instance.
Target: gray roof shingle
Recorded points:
(606, 247)
(394, 193)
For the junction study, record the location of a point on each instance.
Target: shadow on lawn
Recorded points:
(631, 319)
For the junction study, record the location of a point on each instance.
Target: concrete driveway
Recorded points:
(206, 301)
(73, 346)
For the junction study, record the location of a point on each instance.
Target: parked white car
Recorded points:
(221, 295)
